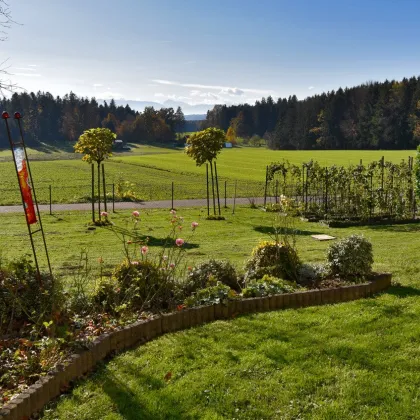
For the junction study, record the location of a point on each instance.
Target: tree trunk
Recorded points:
(212, 187)
(99, 190)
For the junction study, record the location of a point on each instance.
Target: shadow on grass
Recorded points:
(270, 230)
(408, 228)
(130, 405)
(403, 291)
(150, 240)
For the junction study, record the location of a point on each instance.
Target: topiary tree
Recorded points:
(203, 147)
(96, 146)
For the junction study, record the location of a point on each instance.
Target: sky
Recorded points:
(206, 52)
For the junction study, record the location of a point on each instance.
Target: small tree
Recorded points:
(203, 147)
(231, 135)
(96, 146)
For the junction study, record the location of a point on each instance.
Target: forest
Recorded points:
(370, 116)
(56, 120)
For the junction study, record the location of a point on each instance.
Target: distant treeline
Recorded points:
(370, 116)
(54, 120)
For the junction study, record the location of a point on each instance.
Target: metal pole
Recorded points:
(113, 198)
(50, 200)
(5, 116)
(172, 187)
(225, 195)
(99, 191)
(266, 183)
(93, 192)
(208, 194)
(217, 187)
(104, 187)
(212, 187)
(277, 191)
(234, 199)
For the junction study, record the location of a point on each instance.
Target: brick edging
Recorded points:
(49, 387)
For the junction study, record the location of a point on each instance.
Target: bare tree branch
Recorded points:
(6, 22)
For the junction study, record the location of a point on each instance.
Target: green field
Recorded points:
(151, 170)
(344, 361)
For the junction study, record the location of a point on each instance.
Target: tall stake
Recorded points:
(225, 194)
(99, 191)
(104, 186)
(217, 187)
(31, 188)
(212, 187)
(266, 182)
(93, 192)
(207, 185)
(234, 199)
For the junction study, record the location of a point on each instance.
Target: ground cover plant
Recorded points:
(150, 171)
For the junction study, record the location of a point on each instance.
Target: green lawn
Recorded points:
(344, 361)
(351, 360)
(153, 169)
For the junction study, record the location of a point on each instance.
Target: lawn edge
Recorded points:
(49, 387)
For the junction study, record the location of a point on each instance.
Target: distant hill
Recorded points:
(194, 110)
(195, 117)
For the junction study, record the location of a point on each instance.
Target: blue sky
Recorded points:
(209, 51)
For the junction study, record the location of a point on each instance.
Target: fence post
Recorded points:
(217, 187)
(207, 185)
(277, 191)
(225, 195)
(172, 195)
(326, 191)
(234, 200)
(104, 187)
(93, 193)
(113, 198)
(50, 201)
(266, 184)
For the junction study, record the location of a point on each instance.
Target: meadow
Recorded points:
(151, 170)
(349, 360)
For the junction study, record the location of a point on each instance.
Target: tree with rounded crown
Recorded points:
(203, 147)
(96, 146)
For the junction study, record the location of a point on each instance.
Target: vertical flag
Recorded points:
(24, 185)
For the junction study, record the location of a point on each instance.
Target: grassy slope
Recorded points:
(153, 170)
(352, 360)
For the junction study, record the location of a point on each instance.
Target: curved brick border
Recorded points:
(49, 387)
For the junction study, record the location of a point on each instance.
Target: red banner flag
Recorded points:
(24, 185)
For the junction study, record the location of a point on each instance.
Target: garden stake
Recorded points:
(172, 195)
(93, 193)
(266, 182)
(212, 187)
(50, 200)
(113, 198)
(207, 185)
(225, 196)
(27, 190)
(217, 187)
(104, 186)
(234, 199)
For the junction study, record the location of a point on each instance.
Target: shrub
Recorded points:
(308, 274)
(267, 286)
(25, 298)
(210, 296)
(136, 286)
(273, 258)
(208, 273)
(351, 257)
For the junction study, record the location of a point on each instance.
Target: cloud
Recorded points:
(311, 87)
(27, 74)
(173, 97)
(110, 95)
(200, 94)
(25, 68)
(212, 87)
(32, 65)
(97, 85)
(232, 92)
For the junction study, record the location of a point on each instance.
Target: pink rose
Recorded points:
(144, 250)
(194, 225)
(136, 213)
(179, 242)
(104, 214)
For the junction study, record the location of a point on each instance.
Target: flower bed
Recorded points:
(48, 387)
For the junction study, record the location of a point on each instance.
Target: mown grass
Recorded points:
(152, 170)
(344, 361)
(350, 360)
